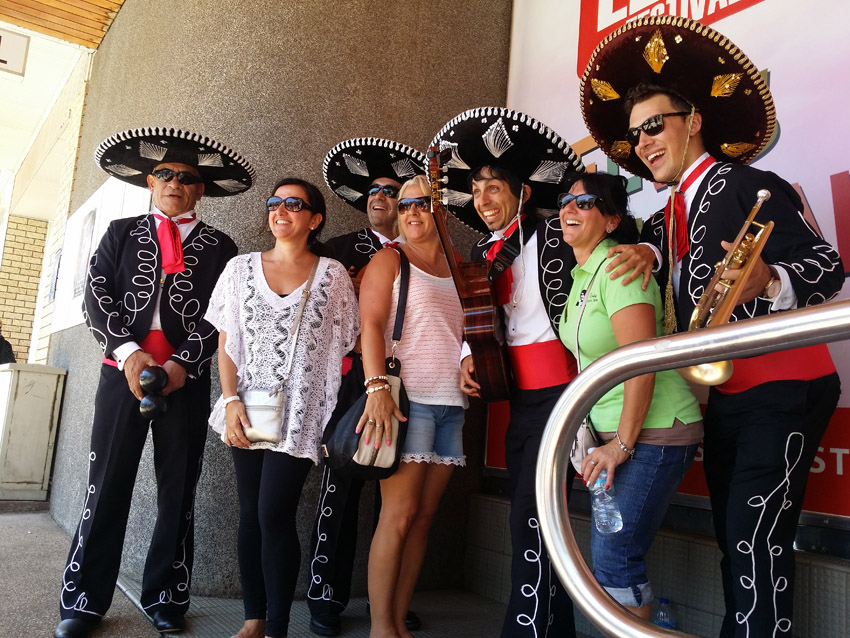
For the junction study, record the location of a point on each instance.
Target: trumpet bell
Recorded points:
(713, 373)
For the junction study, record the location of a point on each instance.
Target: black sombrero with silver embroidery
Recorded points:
(131, 155)
(352, 166)
(691, 60)
(496, 136)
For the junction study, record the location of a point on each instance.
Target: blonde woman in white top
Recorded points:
(429, 352)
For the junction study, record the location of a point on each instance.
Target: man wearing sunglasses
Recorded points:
(146, 293)
(691, 110)
(365, 173)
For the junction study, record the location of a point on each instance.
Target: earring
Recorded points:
(609, 230)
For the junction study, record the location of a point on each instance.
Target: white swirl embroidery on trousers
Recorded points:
(81, 601)
(323, 512)
(529, 590)
(780, 492)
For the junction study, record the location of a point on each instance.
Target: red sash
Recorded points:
(800, 364)
(542, 365)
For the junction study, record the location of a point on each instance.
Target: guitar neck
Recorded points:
(440, 219)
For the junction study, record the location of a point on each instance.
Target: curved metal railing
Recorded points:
(793, 329)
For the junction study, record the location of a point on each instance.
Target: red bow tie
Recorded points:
(680, 218)
(170, 243)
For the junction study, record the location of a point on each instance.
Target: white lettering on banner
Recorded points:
(697, 9)
(819, 465)
(606, 16)
(714, 5)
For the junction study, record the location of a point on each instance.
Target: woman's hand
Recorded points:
(235, 420)
(377, 418)
(605, 457)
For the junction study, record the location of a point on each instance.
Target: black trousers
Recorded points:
(118, 437)
(759, 446)
(538, 605)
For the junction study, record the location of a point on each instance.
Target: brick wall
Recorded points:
(20, 269)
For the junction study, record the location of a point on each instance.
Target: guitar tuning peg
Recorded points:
(445, 179)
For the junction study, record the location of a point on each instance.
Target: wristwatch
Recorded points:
(773, 286)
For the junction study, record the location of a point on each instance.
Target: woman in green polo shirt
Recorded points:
(651, 424)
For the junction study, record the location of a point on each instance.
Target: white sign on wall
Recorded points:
(13, 51)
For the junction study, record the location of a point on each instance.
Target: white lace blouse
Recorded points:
(258, 323)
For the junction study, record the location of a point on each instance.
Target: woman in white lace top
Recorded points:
(254, 307)
(429, 352)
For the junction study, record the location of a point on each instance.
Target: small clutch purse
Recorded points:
(264, 409)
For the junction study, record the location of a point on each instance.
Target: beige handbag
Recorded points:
(265, 407)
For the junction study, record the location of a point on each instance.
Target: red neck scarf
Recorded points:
(170, 243)
(680, 218)
(502, 286)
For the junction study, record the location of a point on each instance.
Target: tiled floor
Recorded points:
(444, 614)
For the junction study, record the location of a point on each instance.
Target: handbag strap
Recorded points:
(296, 326)
(582, 303)
(402, 296)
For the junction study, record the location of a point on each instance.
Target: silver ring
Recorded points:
(379, 426)
(592, 462)
(370, 422)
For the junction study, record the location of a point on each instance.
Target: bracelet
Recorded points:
(235, 397)
(623, 447)
(380, 377)
(376, 388)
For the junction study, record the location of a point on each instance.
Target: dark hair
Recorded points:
(494, 171)
(613, 202)
(318, 206)
(645, 90)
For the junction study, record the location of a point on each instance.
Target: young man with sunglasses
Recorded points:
(146, 293)
(366, 173)
(675, 102)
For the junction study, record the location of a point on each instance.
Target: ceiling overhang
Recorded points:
(82, 22)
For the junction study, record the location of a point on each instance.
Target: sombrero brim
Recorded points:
(498, 136)
(131, 155)
(692, 60)
(352, 166)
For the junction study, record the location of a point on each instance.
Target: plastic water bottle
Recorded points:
(663, 617)
(606, 514)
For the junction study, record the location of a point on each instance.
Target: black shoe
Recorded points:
(411, 621)
(165, 622)
(75, 628)
(325, 624)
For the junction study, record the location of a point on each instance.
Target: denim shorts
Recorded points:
(434, 435)
(642, 488)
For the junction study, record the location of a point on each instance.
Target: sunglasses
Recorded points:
(184, 177)
(292, 204)
(584, 201)
(651, 126)
(423, 204)
(389, 191)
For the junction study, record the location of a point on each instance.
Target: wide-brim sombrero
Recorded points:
(691, 60)
(498, 136)
(352, 166)
(132, 154)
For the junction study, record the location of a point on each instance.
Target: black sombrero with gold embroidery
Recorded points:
(497, 136)
(691, 60)
(352, 166)
(131, 155)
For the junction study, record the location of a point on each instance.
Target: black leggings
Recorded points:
(269, 485)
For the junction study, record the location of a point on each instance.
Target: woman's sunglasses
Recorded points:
(652, 126)
(423, 204)
(389, 191)
(292, 204)
(184, 177)
(584, 201)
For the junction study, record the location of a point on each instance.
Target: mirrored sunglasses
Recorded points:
(292, 204)
(585, 201)
(423, 204)
(389, 191)
(184, 177)
(652, 126)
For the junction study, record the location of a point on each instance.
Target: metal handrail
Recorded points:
(792, 329)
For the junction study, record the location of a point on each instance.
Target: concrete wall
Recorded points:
(282, 82)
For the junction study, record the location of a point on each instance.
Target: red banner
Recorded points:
(601, 17)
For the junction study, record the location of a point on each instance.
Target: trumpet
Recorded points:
(715, 307)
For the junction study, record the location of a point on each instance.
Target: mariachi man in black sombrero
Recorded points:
(505, 168)
(366, 173)
(146, 293)
(675, 102)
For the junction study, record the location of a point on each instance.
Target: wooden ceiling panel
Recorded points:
(83, 22)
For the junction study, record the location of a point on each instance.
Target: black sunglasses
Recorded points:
(292, 204)
(423, 204)
(652, 126)
(585, 201)
(184, 177)
(389, 191)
